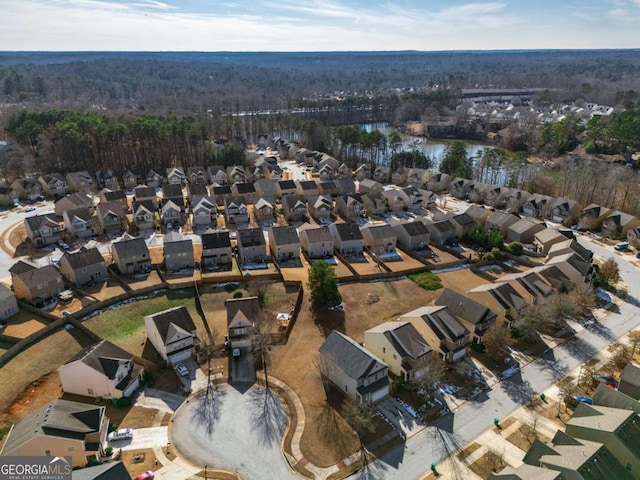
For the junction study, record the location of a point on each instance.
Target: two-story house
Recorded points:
(380, 240)
(144, 217)
(173, 334)
(53, 185)
(43, 229)
(308, 188)
(131, 255)
(316, 242)
(236, 211)
(475, 317)
(8, 196)
(119, 196)
(130, 179)
(252, 247)
(176, 176)
(170, 215)
(217, 175)
(29, 190)
(321, 207)
(369, 186)
(347, 239)
(242, 316)
(204, 213)
(617, 224)
(266, 189)
(142, 193)
(235, 174)
(178, 252)
(294, 207)
(153, 179)
(75, 200)
(263, 210)
(284, 243)
(412, 235)
(83, 266)
(438, 182)
(81, 182)
(197, 174)
(112, 219)
(246, 190)
(350, 206)
(592, 216)
(216, 250)
(36, 285)
(80, 222)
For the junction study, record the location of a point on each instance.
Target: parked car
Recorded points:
(148, 475)
(622, 246)
(586, 400)
(29, 209)
(122, 434)
(182, 369)
(606, 379)
(235, 353)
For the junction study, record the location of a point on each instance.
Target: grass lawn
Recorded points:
(23, 324)
(523, 437)
(296, 362)
(461, 280)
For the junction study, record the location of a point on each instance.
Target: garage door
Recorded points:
(180, 357)
(378, 394)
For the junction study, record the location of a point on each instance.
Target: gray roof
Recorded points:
(404, 337)
(173, 190)
(414, 229)
(178, 245)
(315, 235)
(465, 308)
(631, 375)
(380, 232)
(168, 322)
(306, 185)
(128, 247)
(38, 221)
(350, 357)
(34, 277)
(287, 185)
(105, 471)
(82, 213)
(443, 226)
(84, 257)
(245, 187)
(147, 203)
(248, 308)
(60, 418)
(595, 417)
(292, 200)
(285, 235)
(197, 189)
(526, 472)
(110, 196)
(347, 231)
(213, 239)
(104, 357)
(444, 324)
(523, 225)
(251, 237)
(114, 207)
(144, 191)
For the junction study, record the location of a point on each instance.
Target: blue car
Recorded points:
(586, 400)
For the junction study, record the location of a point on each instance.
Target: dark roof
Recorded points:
(407, 341)
(465, 308)
(414, 229)
(197, 189)
(148, 204)
(251, 237)
(631, 375)
(347, 231)
(308, 185)
(248, 307)
(177, 245)
(114, 195)
(114, 207)
(221, 190)
(105, 471)
(84, 257)
(443, 226)
(507, 295)
(213, 239)
(21, 267)
(82, 213)
(465, 221)
(144, 191)
(445, 325)
(168, 321)
(245, 187)
(351, 358)
(287, 185)
(292, 200)
(104, 357)
(36, 222)
(285, 235)
(128, 247)
(172, 191)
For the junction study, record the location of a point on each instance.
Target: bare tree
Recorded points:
(610, 271)
(620, 358)
(495, 339)
(432, 373)
(495, 458)
(583, 298)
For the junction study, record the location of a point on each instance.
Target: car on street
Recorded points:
(622, 246)
(586, 400)
(148, 475)
(29, 209)
(121, 434)
(182, 369)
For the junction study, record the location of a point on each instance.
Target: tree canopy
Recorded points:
(323, 284)
(456, 162)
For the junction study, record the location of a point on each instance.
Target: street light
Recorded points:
(168, 445)
(205, 472)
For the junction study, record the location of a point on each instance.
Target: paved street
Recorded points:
(473, 418)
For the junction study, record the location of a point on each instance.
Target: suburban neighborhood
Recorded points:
(479, 331)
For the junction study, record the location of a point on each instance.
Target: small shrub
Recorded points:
(123, 402)
(237, 295)
(514, 248)
(427, 280)
(230, 287)
(112, 427)
(108, 451)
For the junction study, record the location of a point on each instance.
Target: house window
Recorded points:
(384, 350)
(90, 391)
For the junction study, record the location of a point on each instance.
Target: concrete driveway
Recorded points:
(144, 438)
(243, 369)
(196, 380)
(234, 430)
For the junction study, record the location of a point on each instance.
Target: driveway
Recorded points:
(399, 416)
(235, 430)
(196, 380)
(243, 369)
(144, 438)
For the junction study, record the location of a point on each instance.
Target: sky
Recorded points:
(317, 25)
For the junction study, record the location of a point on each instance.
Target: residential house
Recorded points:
(463, 224)
(495, 196)
(102, 370)
(438, 182)
(412, 235)
(247, 190)
(501, 221)
(43, 229)
(526, 472)
(352, 369)
(284, 243)
(263, 210)
(413, 197)
(564, 211)
(242, 316)
(81, 182)
(376, 204)
(441, 329)
(570, 245)
(285, 187)
(363, 171)
(131, 255)
(347, 239)
(344, 186)
(294, 207)
(575, 459)
(441, 232)
(321, 206)
(216, 250)
(610, 397)
(515, 199)
(380, 240)
(173, 192)
(75, 200)
(178, 252)
(459, 187)
(396, 199)
(478, 213)
(418, 177)
(537, 206)
(8, 196)
(633, 237)
(475, 317)
(173, 334)
(534, 283)
(8, 303)
(217, 175)
(204, 213)
(381, 174)
(197, 174)
(617, 224)
(142, 193)
(502, 298)
(273, 172)
(119, 196)
(29, 190)
(83, 266)
(80, 222)
(546, 238)
(144, 217)
(252, 247)
(221, 192)
(105, 471)
(196, 190)
(428, 197)
(153, 179)
(235, 174)
(316, 242)
(401, 347)
(61, 429)
(266, 189)
(369, 186)
(477, 191)
(170, 215)
(350, 206)
(53, 185)
(107, 178)
(399, 177)
(111, 218)
(130, 180)
(328, 187)
(236, 211)
(617, 429)
(176, 176)
(344, 171)
(573, 266)
(523, 231)
(36, 285)
(630, 381)
(326, 173)
(308, 188)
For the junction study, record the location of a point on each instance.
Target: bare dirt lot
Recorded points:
(23, 324)
(296, 362)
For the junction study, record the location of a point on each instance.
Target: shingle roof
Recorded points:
(84, 257)
(246, 187)
(316, 235)
(170, 321)
(251, 237)
(148, 204)
(104, 357)
(38, 221)
(287, 185)
(242, 310)
(172, 190)
(197, 189)
(293, 200)
(350, 357)
(130, 246)
(105, 471)
(110, 196)
(347, 231)
(142, 191)
(631, 375)
(285, 235)
(32, 278)
(114, 207)
(414, 229)
(213, 239)
(306, 185)
(463, 307)
(82, 213)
